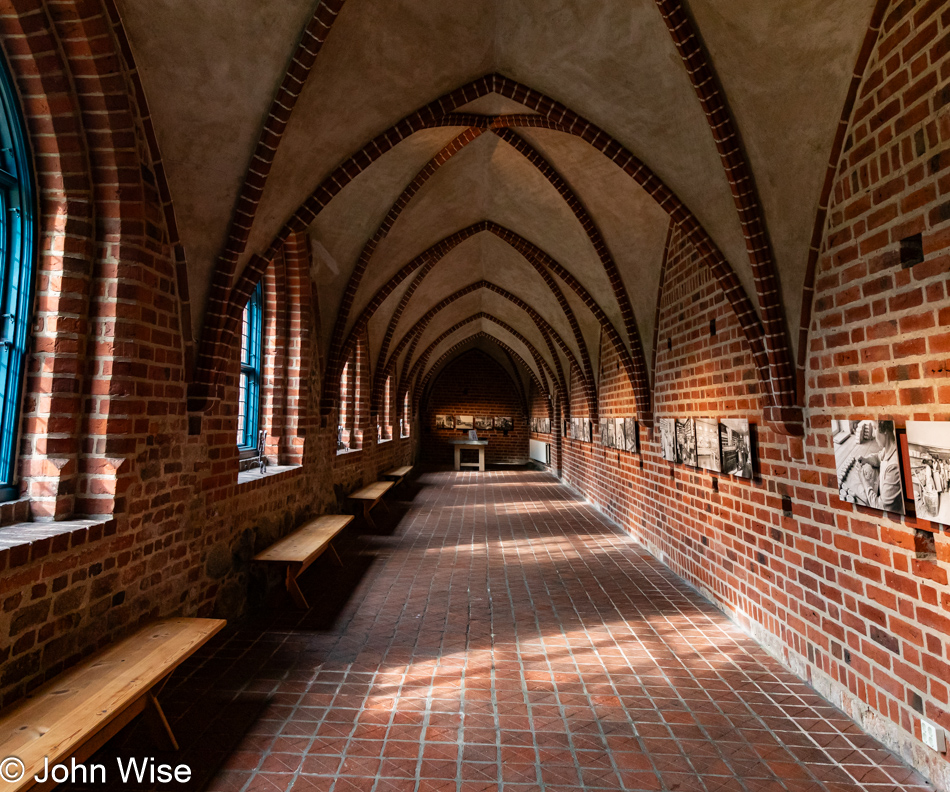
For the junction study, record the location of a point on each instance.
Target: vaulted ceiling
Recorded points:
(550, 241)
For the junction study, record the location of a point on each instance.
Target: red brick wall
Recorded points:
(540, 406)
(474, 384)
(106, 428)
(837, 592)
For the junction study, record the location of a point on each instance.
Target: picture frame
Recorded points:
(928, 472)
(735, 447)
(707, 444)
(685, 429)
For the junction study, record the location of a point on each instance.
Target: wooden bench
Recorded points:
(398, 474)
(80, 710)
(370, 496)
(300, 549)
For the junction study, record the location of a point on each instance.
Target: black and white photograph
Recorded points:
(867, 461)
(631, 436)
(735, 447)
(445, 422)
(707, 443)
(545, 426)
(667, 439)
(464, 422)
(928, 445)
(484, 422)
(686, 441)
(504, 423)
(603, 433)
(620, 442)
(611, 433)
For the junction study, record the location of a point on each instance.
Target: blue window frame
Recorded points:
(17, 254)
(249, 397)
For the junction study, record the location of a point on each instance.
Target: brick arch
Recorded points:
(741, 180)
(532, 253)
(542, 264)
(453, 353)
(824, 200)
(420, 362)
(161, 183)
(770, 349)
(101, 244)
(131, 258)
(634, 362)
(311, 42)
(546, 330)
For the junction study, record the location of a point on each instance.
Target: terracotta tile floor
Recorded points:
(502, 635)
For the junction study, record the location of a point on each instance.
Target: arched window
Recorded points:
(386, 423)
(249, 397)
(404, 421)
(17, 217)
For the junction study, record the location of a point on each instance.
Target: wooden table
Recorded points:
(300, 549)
(370, 496)
(479, 445)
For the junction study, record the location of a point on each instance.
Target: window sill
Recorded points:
(384, 440)
(23, 542)
(255, 475)
(345, 451)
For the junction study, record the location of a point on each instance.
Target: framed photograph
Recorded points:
(603, 432)
(504, 424)
(735, 447)
(464, 422)
(546, 426)
(686, 441)
(667, 439)
(867, 463)
(611, 433)
(484, 422)
(631, 436)
(928, 444)
(707, 444)
(445, 422)
(620, 442)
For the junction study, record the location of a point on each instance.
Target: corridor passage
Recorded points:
(505, 636)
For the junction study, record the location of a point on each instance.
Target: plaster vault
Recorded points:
(380, 130)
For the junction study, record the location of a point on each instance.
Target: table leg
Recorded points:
(458, 457)
(481, 458)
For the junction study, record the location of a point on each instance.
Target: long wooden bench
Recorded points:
(300, 549)
(397, 474)
(80, 710)
(369, 496)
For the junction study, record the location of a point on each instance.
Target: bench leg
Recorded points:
(366, 515)
(162, 733)
(385, 505)
(294, 590)
(339, 560)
